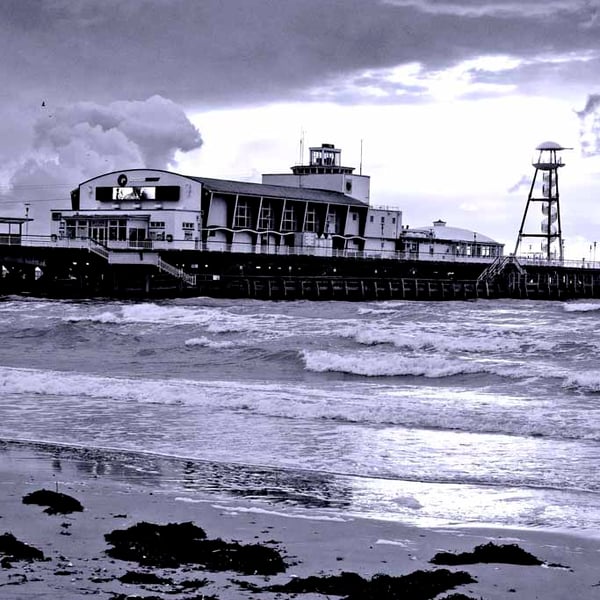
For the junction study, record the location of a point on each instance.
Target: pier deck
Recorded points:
(88, 271)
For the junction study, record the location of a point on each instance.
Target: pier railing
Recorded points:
(156, 245)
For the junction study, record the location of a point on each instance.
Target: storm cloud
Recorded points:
(76, 142)
(110, 74)
(217, 52)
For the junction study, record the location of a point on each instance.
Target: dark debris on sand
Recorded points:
(488, 553)
(11, 549)
(56, 502)
(419, 585)
(144, 578)
(458, 597)
(138, 597)
(174, 544)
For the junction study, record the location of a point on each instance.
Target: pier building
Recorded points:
(311, 233)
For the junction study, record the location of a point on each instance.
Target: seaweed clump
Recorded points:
(56, 502)
(174, 544)
(488, 553)
(12, 550)
(419, 585)
(144, 578)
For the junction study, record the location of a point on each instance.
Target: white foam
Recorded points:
(401, 543)
(423, 340)
(581, 306)
(263, 511)
(589, 381)
(388, 364)
(105, 317)
(208, 343)
(376, 311)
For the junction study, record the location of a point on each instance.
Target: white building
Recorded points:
(321, 208)
(440, 242)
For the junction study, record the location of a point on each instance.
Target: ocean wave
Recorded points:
(581, 306)
(381, 364)
(104, 318)
(208, 343)
(377, 311)
(423, 340)
(370, 363)
(586, 382)
(60, 383)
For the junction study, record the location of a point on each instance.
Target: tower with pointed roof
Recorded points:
(544, 191)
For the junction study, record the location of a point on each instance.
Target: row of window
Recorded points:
(372, 218)
(289, 219)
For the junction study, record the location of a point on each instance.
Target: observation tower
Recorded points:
(545, 191)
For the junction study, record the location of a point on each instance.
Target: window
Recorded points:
(310, 223)
(289, 219)
(354, 216)
(117, 230)
(382, 220)
(157, 224)
(371, 218)
(266, 218)
(393, 220)
(187, 226)
(242, 214)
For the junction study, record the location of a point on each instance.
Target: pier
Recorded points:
(43, 267)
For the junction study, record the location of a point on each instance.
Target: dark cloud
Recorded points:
(217, 52)
(76, 142)
(147, 133)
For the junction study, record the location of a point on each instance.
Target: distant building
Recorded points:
(448, 243)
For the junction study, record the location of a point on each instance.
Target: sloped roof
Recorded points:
(455, 234)
(245, 188)
(226, 186)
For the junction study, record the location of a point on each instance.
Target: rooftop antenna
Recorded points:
(301, 157)
(361, 154)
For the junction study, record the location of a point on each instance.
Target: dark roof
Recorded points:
(13, 220)
(225, 186)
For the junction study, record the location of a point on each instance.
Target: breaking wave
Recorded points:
(379, 364)
(581, 306)
(207, 343)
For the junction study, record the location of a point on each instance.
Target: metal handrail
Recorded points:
(176, 272)
(524, 260)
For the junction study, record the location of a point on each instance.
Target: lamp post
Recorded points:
(27, 205)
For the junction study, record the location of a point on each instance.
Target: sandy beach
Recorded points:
(75, 549)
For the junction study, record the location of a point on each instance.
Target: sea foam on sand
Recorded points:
(77, 563)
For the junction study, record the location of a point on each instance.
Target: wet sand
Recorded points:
(119, 494)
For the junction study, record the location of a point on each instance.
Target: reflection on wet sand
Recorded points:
(293, 488)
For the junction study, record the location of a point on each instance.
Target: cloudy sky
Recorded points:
(448, 98)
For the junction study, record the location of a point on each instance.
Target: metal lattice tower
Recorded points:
(546, 193)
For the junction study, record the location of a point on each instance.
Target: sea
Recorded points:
(432, 414)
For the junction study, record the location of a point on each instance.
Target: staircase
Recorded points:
(494, 270)
(189, 280)
(98, 248)
(137, 258)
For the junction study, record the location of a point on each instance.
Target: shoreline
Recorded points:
(311, 544)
